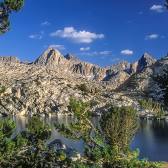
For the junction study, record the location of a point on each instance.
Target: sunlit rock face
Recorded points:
(51, 57)
(47, 84)
(145, 61)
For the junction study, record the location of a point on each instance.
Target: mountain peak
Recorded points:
(53, 51)
(50, 56)
(145, 61)
(147, 55)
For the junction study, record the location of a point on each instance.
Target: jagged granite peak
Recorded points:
(145, 61)
(69, 63)
(9, 59)
(88, 70)
(122, 66)
(50, 57)
(36, 88)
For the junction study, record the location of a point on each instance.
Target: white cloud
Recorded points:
(84, 48)
(45, 23)
(97, 53)
(57, 46)
(37, 36)
(105, 52)
(157, 8)
(127, 52)
(152, 37)
(81, 36)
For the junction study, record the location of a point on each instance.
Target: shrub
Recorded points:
(84, 88)
(2, 89)
(155, 107)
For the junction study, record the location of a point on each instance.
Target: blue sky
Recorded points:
(99, 31)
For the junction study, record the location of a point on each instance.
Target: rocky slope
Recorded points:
(46, 85)
(9, 60)
(150, 81)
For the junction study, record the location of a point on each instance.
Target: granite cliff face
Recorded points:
(46, 85)
(145, 61)
(53, 59)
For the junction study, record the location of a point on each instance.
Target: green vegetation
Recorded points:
(106, 144)
(28, 148)
(2, 89)
(119, 126)
(154, 107)
(132, 82)
(8, 146)
(6, 8)
(84, 88)
(79, 108)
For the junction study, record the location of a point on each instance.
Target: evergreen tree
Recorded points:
(119, 126)
(6, 8)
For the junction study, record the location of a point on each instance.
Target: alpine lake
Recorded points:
(151, 139)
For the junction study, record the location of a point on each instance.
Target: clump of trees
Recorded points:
(6, 8)
(106, 144)
(28, 148)
(154, 107)
(84, 88)
(2, 89)
(87, 89)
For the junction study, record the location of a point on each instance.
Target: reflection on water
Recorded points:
(22, 122)
(152, 140)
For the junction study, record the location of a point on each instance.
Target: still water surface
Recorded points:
(151, 138)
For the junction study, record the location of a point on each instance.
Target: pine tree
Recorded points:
(6, 8)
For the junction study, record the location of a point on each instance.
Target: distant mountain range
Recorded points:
(46, 84)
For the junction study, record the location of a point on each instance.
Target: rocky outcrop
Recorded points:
(160, 69)
(40, 90)
(145, 61)
(89, 70)
(51, 57)
(46, 85)
(9, 60)
(144, 82)
(54, 59)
